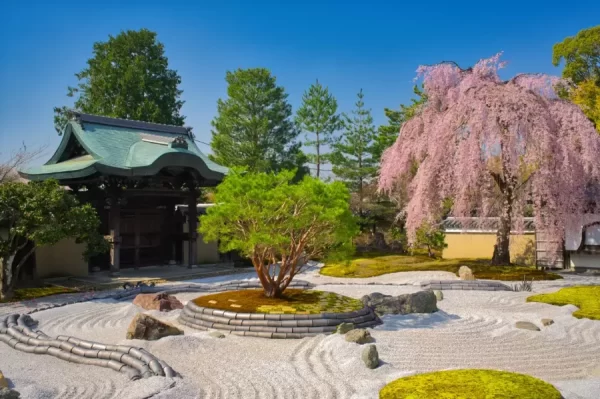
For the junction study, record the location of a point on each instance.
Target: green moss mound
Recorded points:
(469, 384)
(586, 298)
(294, 301)
(373, 265)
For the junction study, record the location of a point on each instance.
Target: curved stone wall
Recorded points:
(266, 325)
(136, 363)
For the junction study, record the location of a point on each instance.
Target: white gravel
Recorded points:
(473, 329)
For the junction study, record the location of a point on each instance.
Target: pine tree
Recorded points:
(352, 158)
(317, 115)
(253, 128)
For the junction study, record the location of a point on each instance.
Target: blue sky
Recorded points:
(347, 45)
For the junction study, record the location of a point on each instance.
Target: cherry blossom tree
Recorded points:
(493, 147)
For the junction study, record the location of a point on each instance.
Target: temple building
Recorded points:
(137, 175)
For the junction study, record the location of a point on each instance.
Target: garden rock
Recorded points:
(439, 295)
(465, 273)
(344, 328)
(547, 322)
(6, 393)
(148, 328)
(216, 334)
(419, 302)
(525, 325)
(370, 357)
(359, 336)
(161, 301)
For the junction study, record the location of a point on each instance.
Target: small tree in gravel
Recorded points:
(44, 213)
(276, 223)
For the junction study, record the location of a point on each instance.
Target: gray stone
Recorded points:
(525, 325)
(419, 302)
(547, 322)
(148, 328)
(344, 328)
(370, 357)
(439, 295)
(359, 336)
(7, 393)
(216, 334)
(465, 273)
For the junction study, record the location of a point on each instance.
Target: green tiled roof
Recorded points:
(123, 148)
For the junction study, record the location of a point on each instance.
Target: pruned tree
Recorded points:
(276, 223)
(42, 213)
(318, 115)
(492, 145)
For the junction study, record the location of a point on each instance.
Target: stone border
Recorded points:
(136, 363)
(467, 285)
(266, 325)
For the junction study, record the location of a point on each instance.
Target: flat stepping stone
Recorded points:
(465, 285)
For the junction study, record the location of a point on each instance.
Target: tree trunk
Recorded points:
(10, 273)
(501, 249)
(318, 156)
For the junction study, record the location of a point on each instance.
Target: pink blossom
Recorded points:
(476, 130)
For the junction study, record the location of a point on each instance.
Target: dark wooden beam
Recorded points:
(192, 227)
(115, 236)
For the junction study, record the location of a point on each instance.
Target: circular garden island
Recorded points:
(469, 384)
(297, 314)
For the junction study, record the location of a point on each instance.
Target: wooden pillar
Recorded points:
(137, 238)
(115, 237)
(192, 228)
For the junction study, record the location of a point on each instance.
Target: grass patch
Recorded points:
(586, 298)
(375, 265)
(24, 294)
(469, 384)
(294, 301)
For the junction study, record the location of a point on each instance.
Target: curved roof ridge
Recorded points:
(130, 123)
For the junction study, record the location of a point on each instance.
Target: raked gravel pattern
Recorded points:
(472, 329)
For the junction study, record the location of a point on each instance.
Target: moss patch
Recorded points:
(469, 384)
(586, 298)
(24, 294)
(373, 265)
(294, 302)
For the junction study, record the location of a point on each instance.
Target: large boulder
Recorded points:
(148, 328)
(370, 357)
(419, 302)
(465, 273)
(343, 328)
(161, 301)
(359, 336)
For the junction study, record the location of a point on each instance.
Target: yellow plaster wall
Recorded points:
(62, 259)
(481, 245)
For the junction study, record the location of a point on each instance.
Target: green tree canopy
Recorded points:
(352, 158)
(44, 213)
(253, 128)
(318, 115)
(387, 134)
(127, 77)
(581, 54)
(271, 220)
